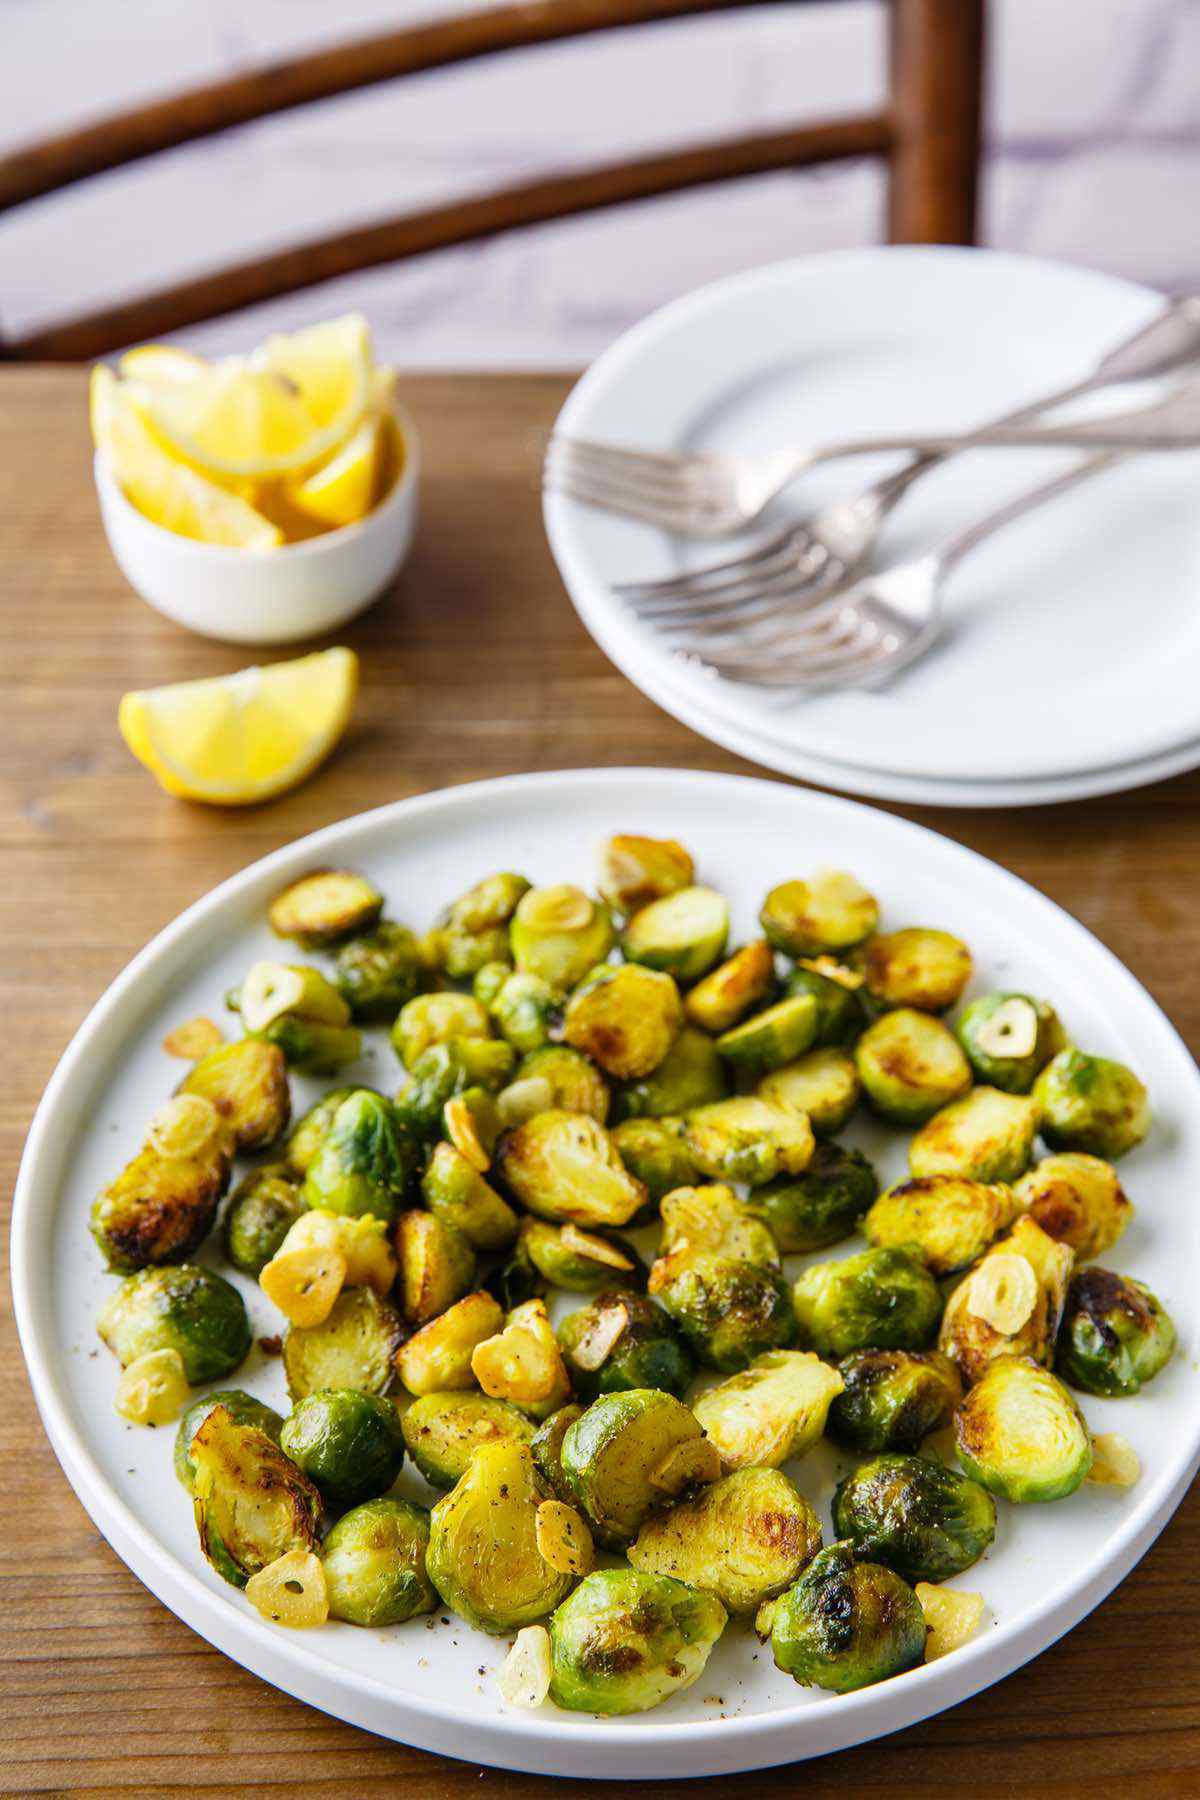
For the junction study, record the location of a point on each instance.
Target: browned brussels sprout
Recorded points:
(443, 1431)
(325, 907)
(745, 1539)
(623, 1340)
(569, 1082)
(564, 1165)
(1091, 1104)
(624, 1641)
(192, 1311)
(1114, 1337)
(729, 1310)
(162, 1205)
(771, 1412)
(247, 1083)
(252, 1503)
(918, 1517)
(625, 1018)
(432, 1019)
(437, 1358)
(655, 1154)
(690, 1075)
(840, 1015)
(1020, 1434)
(629, 1455)
(893, 1399)
(633, 871)
(825, 1084)
(380, 972)
(878, 1299)
(259, 1216)
(1011, 1302)
(846, 1624)
(820, 1207)
(374, 1562)
(831, 911)
(916, 967)
(728, 993)
(558, 934)
(767, 1040)
(437, 1265)
(355, 1347)
(951, 1222)
(985, 1136)
(910, 1066)
(458, 1193)
(1078, 1200)
(684, 933)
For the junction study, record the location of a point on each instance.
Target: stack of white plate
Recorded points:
(1070, 663)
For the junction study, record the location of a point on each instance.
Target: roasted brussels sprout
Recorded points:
(564, 1165)
(580, 1261)
(558, 934)
(772, 1411)
(623, 1340)
(910, 1066)
(985, 1136)
(767, 1040)
(484, 1557)
(633, 871)
(259, 1216)
(546, 1447)
(437, 1265)
(893, 1399)
(1114, 1334)
(458, 1193)
(710, 1218)
(526, 1009)
(252, 1503)
(1091, 1104)
(630, 1454)
(745, 1539)
(624, 1641)
(443, 1431)
(295, 1008)
(916, 967)
(846, 1624)
(363, 1245)
(310, 1132)
(355, 1347)
(840, 1015)
(437, 1358)
(948, 1220)
(748, 1140)
(820, 1207)
(1020, 1433)
(374, 1562)
(691, 1074)
(729, 1310)
(1008, 1038)
(349, 1444)
(163, 1203)
(474, 931)
(492, 901)
(655, 1154)
(914, 1515)
(192, 1311)
(824, 1084)
(684, 933)
(625, 1018)
(830, 911)
(380, 972)
(1078, 1200)
(445, 1072)
(430, 1020)
(365, 1162)
(1011, 1302)
(325, 907)
(247, 1083)
(574, 1083)
(728, 993)
(522, 1363)
(875, 1300)
(242, 1408)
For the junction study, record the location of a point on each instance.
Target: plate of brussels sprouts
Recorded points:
(620, 1272)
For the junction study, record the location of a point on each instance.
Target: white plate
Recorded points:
(1049, 1566)
(1070, 638)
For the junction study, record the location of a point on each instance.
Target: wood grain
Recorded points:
(474, 666)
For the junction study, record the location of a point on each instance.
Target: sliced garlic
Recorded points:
(951, 1617)
(525, 1671)
(154, 1389)
(291, 1591)
(832, 970)
(563, 1539)
(593, 1347)
(596, 1249)
(305, 1283)
(1012, 1030)
(684, 1465)
(522, 1363)
(269, 990)
(463, 1131)
(193, 1039)
(1114, 1461)
(1003, 1291)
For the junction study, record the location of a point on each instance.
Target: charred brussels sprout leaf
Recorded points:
(350, 1444)
(748, 1140)
(242, 1408)
(458, 1193)
(683, 934)
(831, 911)
(690, 1075)
(878, 1299)
(847, 1624)
(624, 1641)
(923, 1520)
(190, 1310)
(892, 1399)
(353, 1348)
(824, 1084)
(433, 1019)
(774, 1410)
(1020, 1433)
(380, 972)
(729, 1310)
(260, 1214)
(252, 1503)
(558, 934)
(633, 871)
(1008, 1038)
(565, 1166)
(484, 1557)
(374, 1562)
(625, 1018)
(445, 1071)
(840, 1015)
(744, 1539)
(1114, 1334)
(728, 993)
(162, 1205)
(1011, 1302)
(247, 1083)
(325, 907)
(768, 1040)
(620, 1459)
(365, 1162)
(910, 1066)
(916, 967)
(1091, 1104)
(623, 1340)
(985, 1136)
(820, 1207)
(310, 1132)
(949, 1221)
(655, 1154)
(442, 1432)
(1078, 1200)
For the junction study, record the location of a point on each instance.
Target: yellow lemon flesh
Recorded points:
(233, 422)
(329, 366)
(342, 490)
(238, 739)
(161, 362)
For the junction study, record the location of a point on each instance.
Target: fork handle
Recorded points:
(952, 550)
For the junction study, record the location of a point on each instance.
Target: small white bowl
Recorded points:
(270, 597)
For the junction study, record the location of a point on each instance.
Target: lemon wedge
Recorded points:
(238, 739)
(329, 366)
(165, 491)
(161, 362)
(234, 422)
(341, 491)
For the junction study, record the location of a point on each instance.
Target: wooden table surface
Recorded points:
(474, 666)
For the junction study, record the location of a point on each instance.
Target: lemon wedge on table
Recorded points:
(237, 739)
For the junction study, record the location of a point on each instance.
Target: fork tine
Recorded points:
(752, 598)
(660, 484)
(772, 627)
(814, 647)
(733, 568)
(858, 663)
(647, 461)
(788, 570)
(681, 520)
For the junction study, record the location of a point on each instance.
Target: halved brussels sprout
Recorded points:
(684, 933)
(1092, 1104)
(445, 1072)
(523, 1364)
(365, 1162)
(728, 993)
(655, 1154)
(295, 1008)
(492, 901)
(846, 1624)
(622, 1459)
(349, 1444)
(875, 1300)
(690, 1075)
(824, 1084)
(258, 1217)
(474, 931)
(564, 1165)
(558, 934)
(526, 1009)
(710, 1218)
(1115, 1335)
(730, 1311)
(893, 1399)
(916, 1516)
(985, 1136)
(1078, 1200)
(546, 1447)
(186, 1309)
(310, 1132)
(443, 1431)
(252, 1503)
(623, 1340)
(363, 1244)
(355, 1347)
(374, 1562)
(769, 1039)
(432, 1019)
(840, 1015)
(1020, 1433)
(242, 1408)
(748, 1140)
(910, 1066)
(310, 1047)
(247, 1083)
(633, 871)
(484, 1557)
(949, 1221)
(324, 907)
(820, 1207)
(458, 1193)
(437, 1358)
(772, 1411)
(580, 1261)
(1008, 1038)
(575, 1084)
(1011, 1302)
(916, 967)
(380, 972)
(830, 911)
(437, 1265)
(625, 1018)
(624, 1641)
(745, 1539)
(162, 1205)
